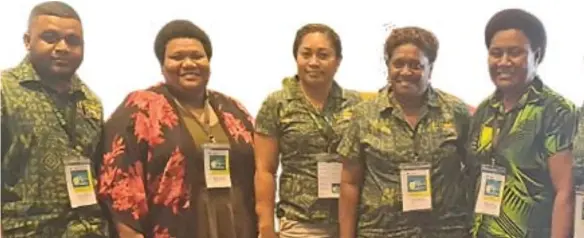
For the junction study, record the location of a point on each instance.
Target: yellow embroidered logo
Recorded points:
(485, 138)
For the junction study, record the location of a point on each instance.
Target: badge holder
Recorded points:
(416, 187)
(80, 183)
(579, 212)
(329, 175)
(217, 170)
(491, 189)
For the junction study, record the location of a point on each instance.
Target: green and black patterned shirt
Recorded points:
(540, 125)
(380, 138)
(579, 151)
(35, 201)
(303, 133)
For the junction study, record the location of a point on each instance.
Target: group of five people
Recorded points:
(181, 160)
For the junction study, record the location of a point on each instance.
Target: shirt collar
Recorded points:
(291, 86)
(28, 75)
(386, 101)
(532, 95)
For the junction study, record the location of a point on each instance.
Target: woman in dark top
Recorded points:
(178, 157)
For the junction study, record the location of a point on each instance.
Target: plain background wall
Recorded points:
(252, 42)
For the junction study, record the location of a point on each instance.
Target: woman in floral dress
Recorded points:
(178, 158)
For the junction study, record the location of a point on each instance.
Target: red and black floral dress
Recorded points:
(152, 175)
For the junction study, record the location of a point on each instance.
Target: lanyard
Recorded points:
(206, 123)
(69, 125)
(495, 140)
(326, 129)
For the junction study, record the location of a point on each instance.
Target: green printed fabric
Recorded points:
(579, 151)
(542, 124)
(380, 138)
(303, 133)
(35, 201)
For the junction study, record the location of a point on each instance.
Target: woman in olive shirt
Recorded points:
(409, 132)
(301, 125)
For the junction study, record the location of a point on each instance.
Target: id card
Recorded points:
(579, 212)
(329, 176)
(79, 182)
(491, 190)
(217, 171)
(415, 186)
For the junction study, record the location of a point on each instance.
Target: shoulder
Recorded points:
(146, 98)
(273, 102)
(352, 95)
(449, 100)
(367, 95)
(92, 103)
(555, 102)
(277, 96)
(10, 78)
(9, 74)
(14, 94)
(150, 100)
(363, 111)
(453, 103)
(15, 72)
(222, 96)
(229, 100)
(351, 98)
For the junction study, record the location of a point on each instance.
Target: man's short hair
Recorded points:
(53, 8)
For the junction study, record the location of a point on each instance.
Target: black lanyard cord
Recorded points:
(67, 123)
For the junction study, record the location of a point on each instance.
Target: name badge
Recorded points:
(217, 170)
(329, 176)
(80, 183)
(415, 186)
(579, 212)
(491, 190)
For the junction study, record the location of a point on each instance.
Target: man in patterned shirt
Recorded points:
(51, 129)
(521, 138)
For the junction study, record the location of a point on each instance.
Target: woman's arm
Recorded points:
(266, 156)
(351, 178)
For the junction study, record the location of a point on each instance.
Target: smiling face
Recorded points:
(512, 62)
(317, 62)
(409, 71)
(55, 46)
(186, 65)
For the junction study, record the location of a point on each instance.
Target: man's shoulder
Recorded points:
(11, 77)
(12, 90)
(92, 103)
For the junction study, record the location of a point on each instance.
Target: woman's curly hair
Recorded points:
(422, 38)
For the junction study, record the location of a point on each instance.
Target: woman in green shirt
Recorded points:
(299, 126)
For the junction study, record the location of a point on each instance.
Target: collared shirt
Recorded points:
(540, 125)
(303, 133)
(380, 138)
(35, 201)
